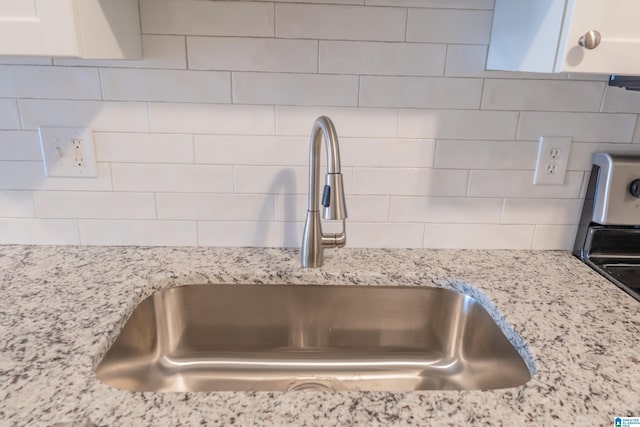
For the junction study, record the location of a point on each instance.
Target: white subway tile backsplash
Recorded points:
(443, 4)
(478, 236)
(212, 119)
(541, 95)
(19, 175)
(293, 208)
(252, 150)
(94, 205)
(449, 26)
(143, 147)
(559, 237)
(356, 2)
(138, 232)
(373, 152)
(619, 100)
(260, 234)
(410, 182)
(205, 140)
(458, 124)
(20, 145)
(39, 231)
(581, 158)
(98, 115)
(271, 179)
(368, 208)
(589, 127)
(541, 211)
(466, 61)
(16, 204)
(456, 154)
(207, 18)
(121, 84)
(306, 21)
(359, 208)
(587, 77)
(228, 207)
(252, 54)
(458, 210)
(25, 81)
(9, 116)
(25, 60)
(349, 122)
(295, 89)
(420, 92)
(159, 51)
(380, 58)
(381, 235)
(488, 183)
(167, 177)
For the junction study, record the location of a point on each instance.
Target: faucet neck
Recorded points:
(323, 127)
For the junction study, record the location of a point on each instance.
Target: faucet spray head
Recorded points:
(333, 200)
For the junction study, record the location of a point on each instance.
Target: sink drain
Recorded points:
(311, 386)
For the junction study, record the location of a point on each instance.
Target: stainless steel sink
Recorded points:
(300, 337)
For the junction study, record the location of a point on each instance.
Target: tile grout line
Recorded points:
(231, 91)
(155, 205)
(101, 83)
(193, 150)
(20, 113)
(33, 204)
(602, 98)
(275, 21)
(388, 209)
(533, 236)
(186, 53)
(518, 120)
(318, 58)
(80, 240)
(406, 24)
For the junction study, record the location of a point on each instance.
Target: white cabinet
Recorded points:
(545, 36)
(108, 29)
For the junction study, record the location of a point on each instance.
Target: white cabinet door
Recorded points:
(38, 27)
(543, 36)
(618, 24)
(103, 29)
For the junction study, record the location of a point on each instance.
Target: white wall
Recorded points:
(205, 141)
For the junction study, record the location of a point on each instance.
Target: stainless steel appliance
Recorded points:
(608, 237)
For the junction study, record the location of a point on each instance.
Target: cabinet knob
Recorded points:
(590, 40)
(634, 188)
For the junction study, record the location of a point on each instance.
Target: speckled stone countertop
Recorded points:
(61, 308)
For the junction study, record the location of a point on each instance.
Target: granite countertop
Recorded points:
(61, 308)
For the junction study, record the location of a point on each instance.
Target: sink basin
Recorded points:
(308, 337)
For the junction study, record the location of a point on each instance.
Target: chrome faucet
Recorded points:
(333, 201)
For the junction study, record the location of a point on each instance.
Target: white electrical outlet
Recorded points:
(68, 152)
(553, 157)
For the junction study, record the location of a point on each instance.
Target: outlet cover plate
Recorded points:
(61, 157)
(553, 158)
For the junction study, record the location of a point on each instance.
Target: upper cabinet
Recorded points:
(98, 29)
(578, 36)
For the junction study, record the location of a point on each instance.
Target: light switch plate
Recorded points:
(68, 152)
(553, 158)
